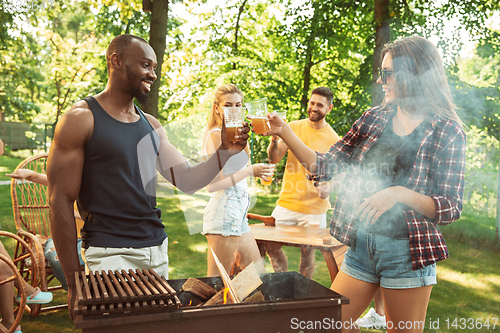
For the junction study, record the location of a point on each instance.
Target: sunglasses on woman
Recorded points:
(384, 74)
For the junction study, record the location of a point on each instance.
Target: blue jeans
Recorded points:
(386, 261)
(53, 260)
(226, 213)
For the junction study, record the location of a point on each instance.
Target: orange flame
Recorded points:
(224, 295)
(190, 302)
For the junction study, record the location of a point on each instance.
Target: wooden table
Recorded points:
(314, 237)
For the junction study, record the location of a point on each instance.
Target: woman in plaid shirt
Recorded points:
(404, 164)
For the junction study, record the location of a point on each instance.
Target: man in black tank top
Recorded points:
(105, 154)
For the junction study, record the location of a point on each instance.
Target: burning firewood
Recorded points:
(246, 281)
(199, 288)
(255, 298)
(217, 298)
(232, 295)
(234, 291)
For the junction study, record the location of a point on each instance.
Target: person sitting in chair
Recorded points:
(47, 243)
(36, 296)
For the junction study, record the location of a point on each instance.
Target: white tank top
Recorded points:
(234, 164)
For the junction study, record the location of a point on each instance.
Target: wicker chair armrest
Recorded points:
(39, 253)
(15, 237)
(38, 248)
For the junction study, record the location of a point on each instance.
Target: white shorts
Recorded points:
(112, 258)
(286, 216)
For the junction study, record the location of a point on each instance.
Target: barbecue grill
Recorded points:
(143, 302)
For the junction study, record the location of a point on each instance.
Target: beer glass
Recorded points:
(233, 119)
(257, 113)
(267, 181)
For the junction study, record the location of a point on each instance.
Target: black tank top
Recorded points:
(117, 195)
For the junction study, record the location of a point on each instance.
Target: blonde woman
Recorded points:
(224, 222)
(406, 166)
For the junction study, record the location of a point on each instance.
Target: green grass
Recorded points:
(474, 228)
(468, 282)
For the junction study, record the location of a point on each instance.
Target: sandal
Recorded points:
(38, 297)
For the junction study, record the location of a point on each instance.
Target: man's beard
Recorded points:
(141, 97)
(136, 91)
(315, 117)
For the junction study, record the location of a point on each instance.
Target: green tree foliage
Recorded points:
(477, 85)
(20, 78)
(275, 49)
(481, 170)
(54, 55)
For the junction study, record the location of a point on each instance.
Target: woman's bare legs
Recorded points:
(29, 289)
(360, 295)
(225, 248)
(379, 303)
(406, 307)
(249, 251)
(6, 296)
(278, 258)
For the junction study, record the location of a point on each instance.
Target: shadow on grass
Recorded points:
(468, 288)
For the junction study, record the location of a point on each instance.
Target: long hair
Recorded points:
(421, 83)
(214, 118)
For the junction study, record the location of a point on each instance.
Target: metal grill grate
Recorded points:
(121, 291)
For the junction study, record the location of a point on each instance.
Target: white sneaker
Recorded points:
(371, 320)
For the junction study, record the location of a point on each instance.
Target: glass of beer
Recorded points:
(233, 118)
(267, 181)
(281, 113)
(257, 113)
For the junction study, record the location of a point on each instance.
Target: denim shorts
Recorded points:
(226, 213)
(53, 260)
(386, 261)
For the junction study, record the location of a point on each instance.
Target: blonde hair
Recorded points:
(421, 82)
(214, 118)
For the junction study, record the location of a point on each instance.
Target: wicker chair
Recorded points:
(17, 279)
(31, 214)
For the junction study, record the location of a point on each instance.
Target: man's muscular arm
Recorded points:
(64, 172)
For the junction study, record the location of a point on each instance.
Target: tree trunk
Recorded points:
(237, 30)
(382, 37)
(307, 83)
(308, 64)
(497, 236)
(157, 40)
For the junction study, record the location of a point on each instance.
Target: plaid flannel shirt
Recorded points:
(438, 172)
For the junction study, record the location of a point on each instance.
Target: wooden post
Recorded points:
(497, 236)
(147, 6)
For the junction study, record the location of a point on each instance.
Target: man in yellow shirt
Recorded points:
(300, 202)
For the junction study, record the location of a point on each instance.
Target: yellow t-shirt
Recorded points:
(297, 193)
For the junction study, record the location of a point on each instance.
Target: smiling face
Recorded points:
(389, 87)
(140, 66)
(318, 107)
